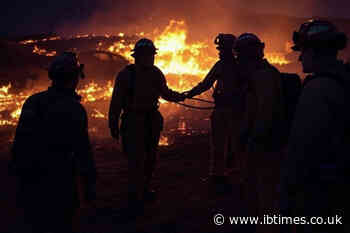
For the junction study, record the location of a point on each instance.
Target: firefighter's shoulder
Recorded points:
(157, 70)
(77, 107)
(125, 73)
(34, 99)
(30, 105)
(267, 71)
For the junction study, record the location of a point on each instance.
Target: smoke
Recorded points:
(204, 18)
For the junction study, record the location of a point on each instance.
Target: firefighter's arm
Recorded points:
(207, 82)
(264, 84)
(167, 93)
(116, 105)
(85, 159)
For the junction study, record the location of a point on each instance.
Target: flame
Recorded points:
(93, 92)
(82, 36)
(42, 40)
(28, 42)
(277, 58)
(175, 55)
(39, 51)
(163, 141)
(11, 105)
(98, 114)
(185, 64)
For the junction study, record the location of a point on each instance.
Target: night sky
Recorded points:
(39, 16)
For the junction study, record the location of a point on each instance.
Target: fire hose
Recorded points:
(195, 107)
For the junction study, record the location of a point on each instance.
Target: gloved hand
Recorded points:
(115, 132)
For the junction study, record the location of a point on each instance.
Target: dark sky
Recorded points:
(39, 16)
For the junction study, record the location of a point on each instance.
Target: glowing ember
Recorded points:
(82, 36)
(28, 42)
(42, 40)
(98, 114)
(43, 52)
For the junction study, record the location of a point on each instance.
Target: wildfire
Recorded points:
(11, 104)
(175, 54)
(185, 64)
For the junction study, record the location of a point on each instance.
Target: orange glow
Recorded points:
(163, 141)
(44, 52)
(98, 114)
(12, 104)
(185, 64)
(28, 42)
(277, 58)
(175, 54)
(42, 40)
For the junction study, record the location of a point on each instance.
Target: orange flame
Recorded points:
(184, 63)
(39, 51)
(163, 141)
(277, 58)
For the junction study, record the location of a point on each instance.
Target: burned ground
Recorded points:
(181, 179)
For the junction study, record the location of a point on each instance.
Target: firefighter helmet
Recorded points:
(225, 41)
(318, 34)
(66, 65)
(248, 40)
(144, 45)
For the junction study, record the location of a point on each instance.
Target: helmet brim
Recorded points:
(149, 52)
